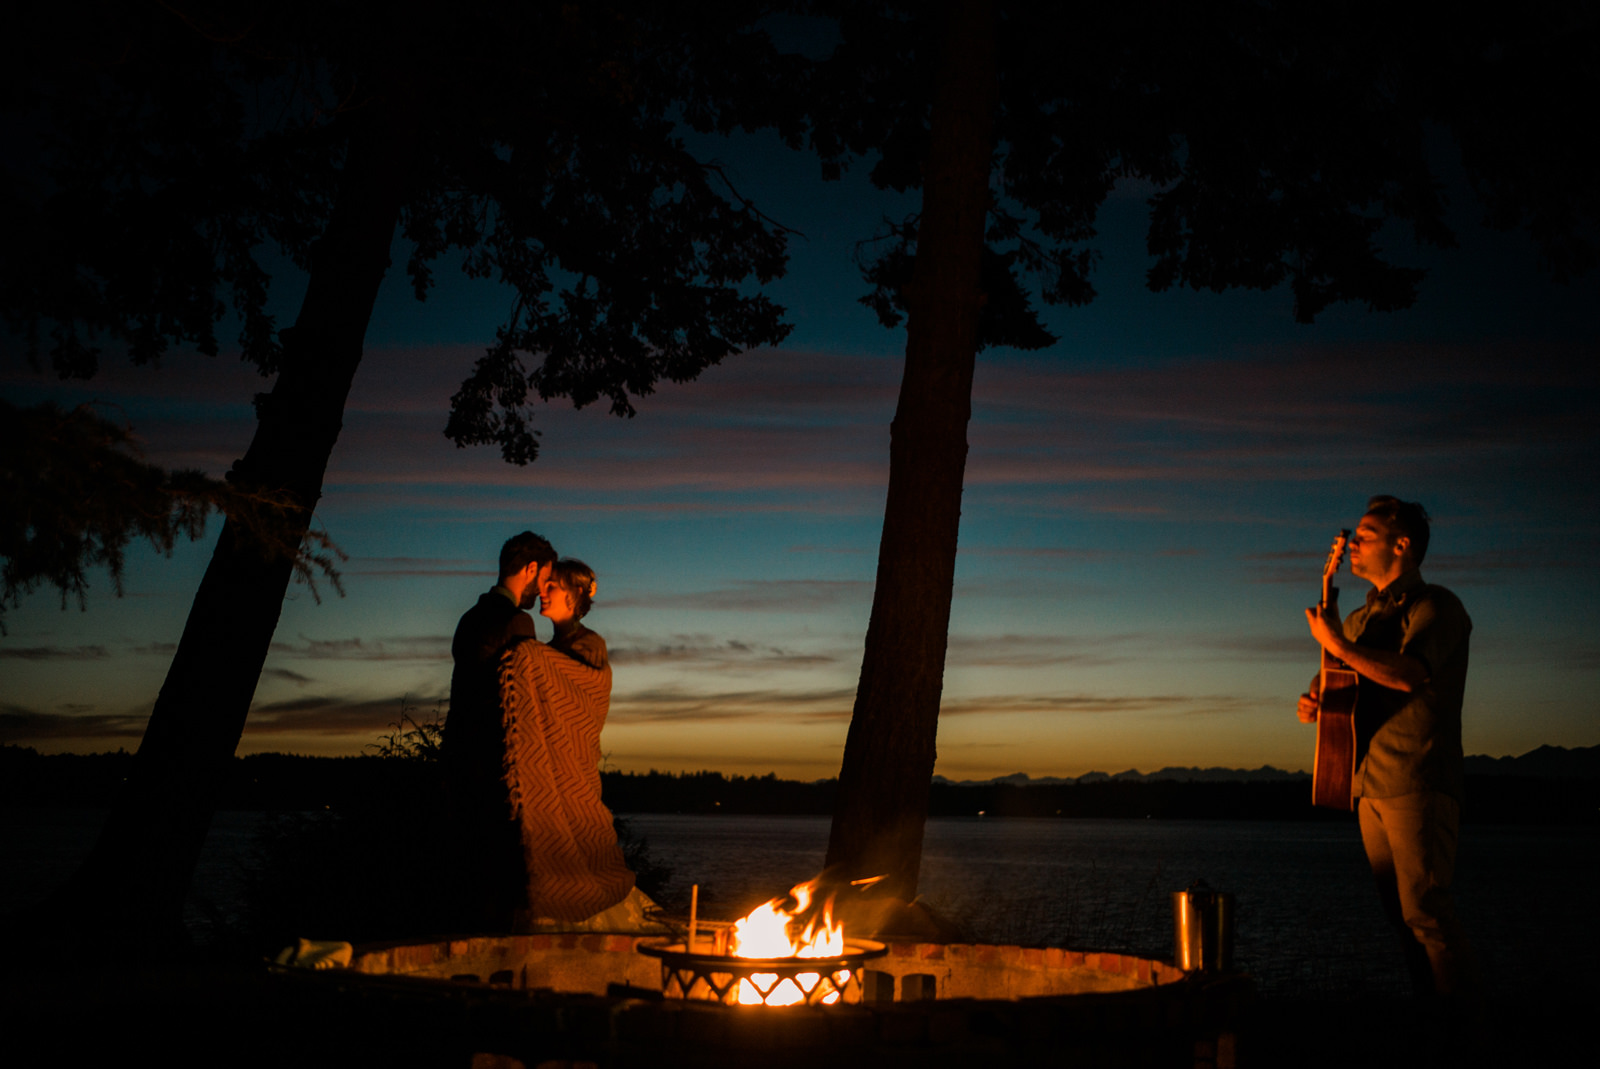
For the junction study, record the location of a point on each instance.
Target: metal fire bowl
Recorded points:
(693, 975)
(856, 951)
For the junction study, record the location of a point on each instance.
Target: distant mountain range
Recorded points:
(1217, 775)
(1547, 762)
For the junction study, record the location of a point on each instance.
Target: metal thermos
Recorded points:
(1202, 928)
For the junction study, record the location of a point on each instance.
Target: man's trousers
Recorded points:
(1411, 846)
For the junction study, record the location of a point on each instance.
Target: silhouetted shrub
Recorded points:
(372, 869)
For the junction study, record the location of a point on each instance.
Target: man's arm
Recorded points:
(1396, 671)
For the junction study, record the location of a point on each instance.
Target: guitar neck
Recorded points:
(1335, 555)
(1330, 594)
(1333, 772)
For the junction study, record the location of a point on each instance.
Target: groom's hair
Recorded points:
(522, 550)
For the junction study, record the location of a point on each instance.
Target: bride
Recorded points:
(555, 699)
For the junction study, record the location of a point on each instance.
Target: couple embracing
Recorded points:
(532, 845)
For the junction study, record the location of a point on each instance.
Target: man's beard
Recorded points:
(530, 597)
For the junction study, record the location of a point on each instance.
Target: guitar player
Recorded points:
(1408, 644)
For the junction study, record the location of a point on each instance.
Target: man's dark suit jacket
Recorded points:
(488, 863)
(482, 635)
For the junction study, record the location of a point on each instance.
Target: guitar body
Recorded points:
(1333, 771)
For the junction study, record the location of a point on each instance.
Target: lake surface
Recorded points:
(1307, 918)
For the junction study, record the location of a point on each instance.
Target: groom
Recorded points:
(488, 867)
(498, 618)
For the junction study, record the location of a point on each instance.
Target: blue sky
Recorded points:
(1147, 507)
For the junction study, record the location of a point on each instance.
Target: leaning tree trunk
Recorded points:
(889, 754)
(134, 883)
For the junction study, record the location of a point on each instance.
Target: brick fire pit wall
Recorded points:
(591, 998)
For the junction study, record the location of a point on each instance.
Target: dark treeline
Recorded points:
(259, 781)
(713, 792)
(298, 784)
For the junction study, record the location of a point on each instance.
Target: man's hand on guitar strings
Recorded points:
(1306, 710)
(1326, 627)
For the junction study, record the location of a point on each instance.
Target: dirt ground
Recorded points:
(239, 1015)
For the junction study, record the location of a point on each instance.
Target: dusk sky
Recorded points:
(1148, 504)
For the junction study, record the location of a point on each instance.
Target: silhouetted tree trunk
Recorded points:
(136, 879)
(889, 754)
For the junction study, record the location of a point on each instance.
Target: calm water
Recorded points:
(1307, 918)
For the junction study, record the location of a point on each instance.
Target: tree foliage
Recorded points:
(1275, 139)
(170, 153)
(171, 159)
(75, 491)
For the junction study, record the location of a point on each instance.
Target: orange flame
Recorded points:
(764, 932)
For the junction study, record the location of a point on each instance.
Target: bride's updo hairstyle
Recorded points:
(577, 579)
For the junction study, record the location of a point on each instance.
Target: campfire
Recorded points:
(851, 1001)
(786, 952)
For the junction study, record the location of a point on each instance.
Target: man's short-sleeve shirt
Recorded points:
(1411, 742)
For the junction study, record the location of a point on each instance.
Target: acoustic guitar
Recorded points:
(1333, 773)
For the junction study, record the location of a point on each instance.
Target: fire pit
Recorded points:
(785, 981)
(592, 997)
(786, 952)
(630, 1000)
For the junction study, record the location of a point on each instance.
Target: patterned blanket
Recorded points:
(554, 707)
